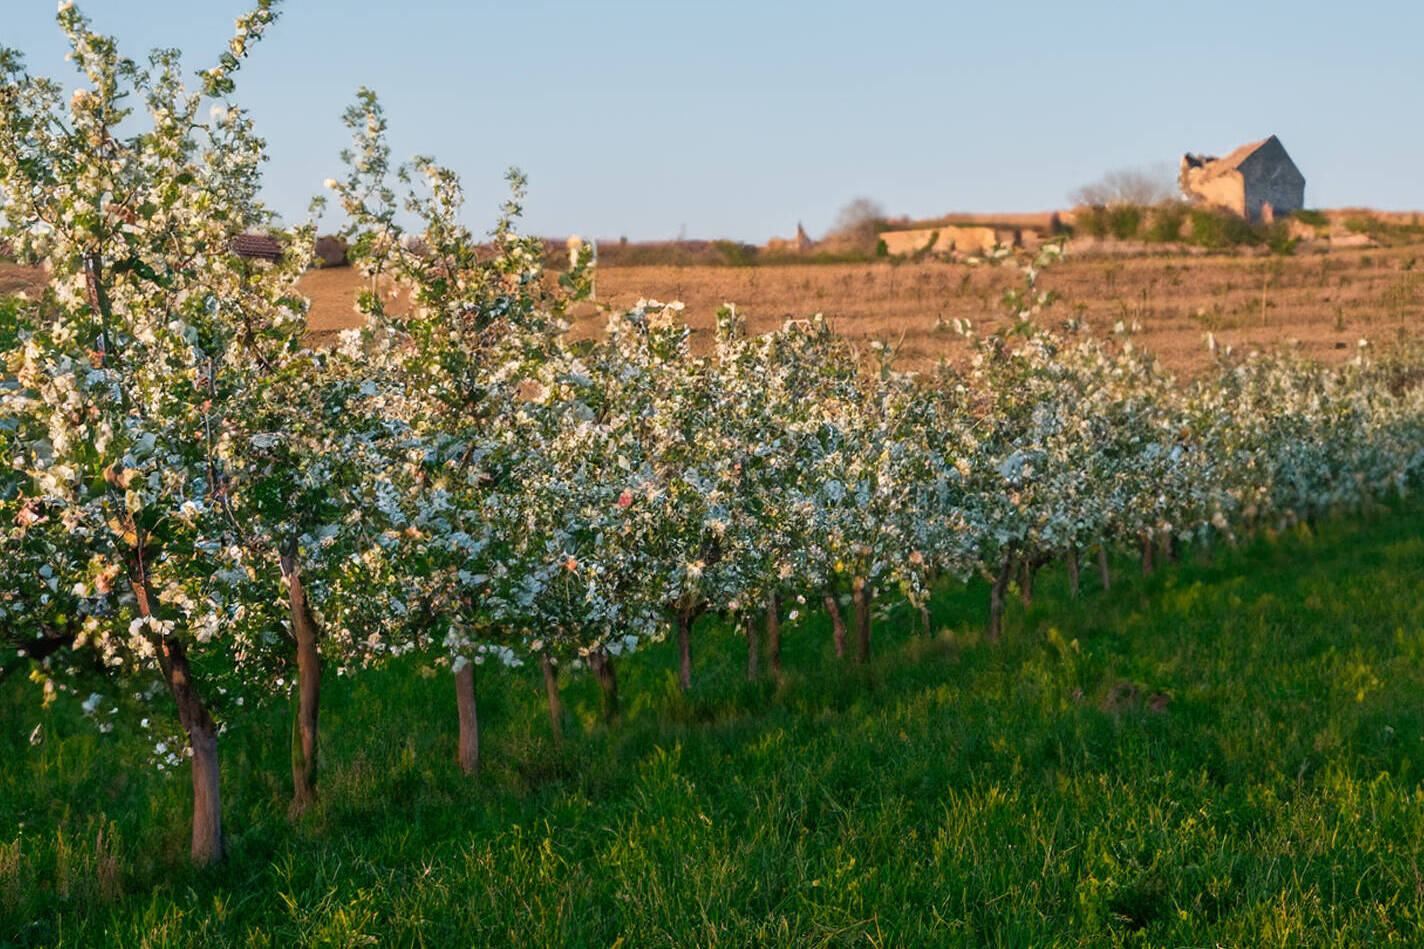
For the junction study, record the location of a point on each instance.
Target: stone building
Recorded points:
(257, 247)
(800, 244)
(1257, 181)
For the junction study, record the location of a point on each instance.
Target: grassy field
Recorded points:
(1227, 752)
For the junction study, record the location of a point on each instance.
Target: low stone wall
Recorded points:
(965, 240)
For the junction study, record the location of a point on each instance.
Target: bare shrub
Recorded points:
(859, 222)
(1142, 187)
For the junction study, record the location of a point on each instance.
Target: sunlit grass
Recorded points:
(1226, 752)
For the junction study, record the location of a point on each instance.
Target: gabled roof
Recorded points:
(1212, 166)
(258, 246)
(1239, 155)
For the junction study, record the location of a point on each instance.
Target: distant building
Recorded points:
(800, 244)
(1257, 181)
(257, 247)
(331, 250)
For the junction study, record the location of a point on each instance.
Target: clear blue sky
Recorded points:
(737, 119)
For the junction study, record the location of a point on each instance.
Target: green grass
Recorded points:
(952, 793)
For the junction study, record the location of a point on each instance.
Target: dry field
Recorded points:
(18, 279)
(1324, 301)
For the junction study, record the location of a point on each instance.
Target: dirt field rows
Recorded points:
(1326, 302)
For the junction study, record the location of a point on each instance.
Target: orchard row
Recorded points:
(195, 500)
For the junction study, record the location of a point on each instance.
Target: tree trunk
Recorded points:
(925, 624)
(838, 630)
(1169, 553)
(601, 664)
(1104, 573)
(305, 744)
(1073, 573)
(860, 593)
(684, 647)
(996, 598)
(207, 845)
(1026, 583)
(773, 635)
(556, 707)
(1146, 554)
(753, 646)
(469, 753)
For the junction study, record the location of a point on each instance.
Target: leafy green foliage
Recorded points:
(1122, 221)
(1218, 230)
(1166, 222)
(735, 253)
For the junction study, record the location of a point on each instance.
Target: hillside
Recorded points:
(1325, 301)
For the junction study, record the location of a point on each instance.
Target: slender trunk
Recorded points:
(1146, 554)
(773, 635)
(600, 661)
(996, 598)
(860, 592)
(838, 630)
(556, 706)
(469, 718)
(1103, 570)
(207, 845)
(925, 624)
(1073, 572)
(1169, 553)
(753, 646)
(684, 647)
(1026, 583)
(305, 744)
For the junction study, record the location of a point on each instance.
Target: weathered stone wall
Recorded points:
(1226, 191)
(1271, 178)
(968, 240)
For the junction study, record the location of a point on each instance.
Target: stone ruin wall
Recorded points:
(1226, 191)
(973, 240)
(1271, 182)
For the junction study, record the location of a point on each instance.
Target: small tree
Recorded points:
(1140, 187)
(471, 374)
(859, 222)
(129, 368)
